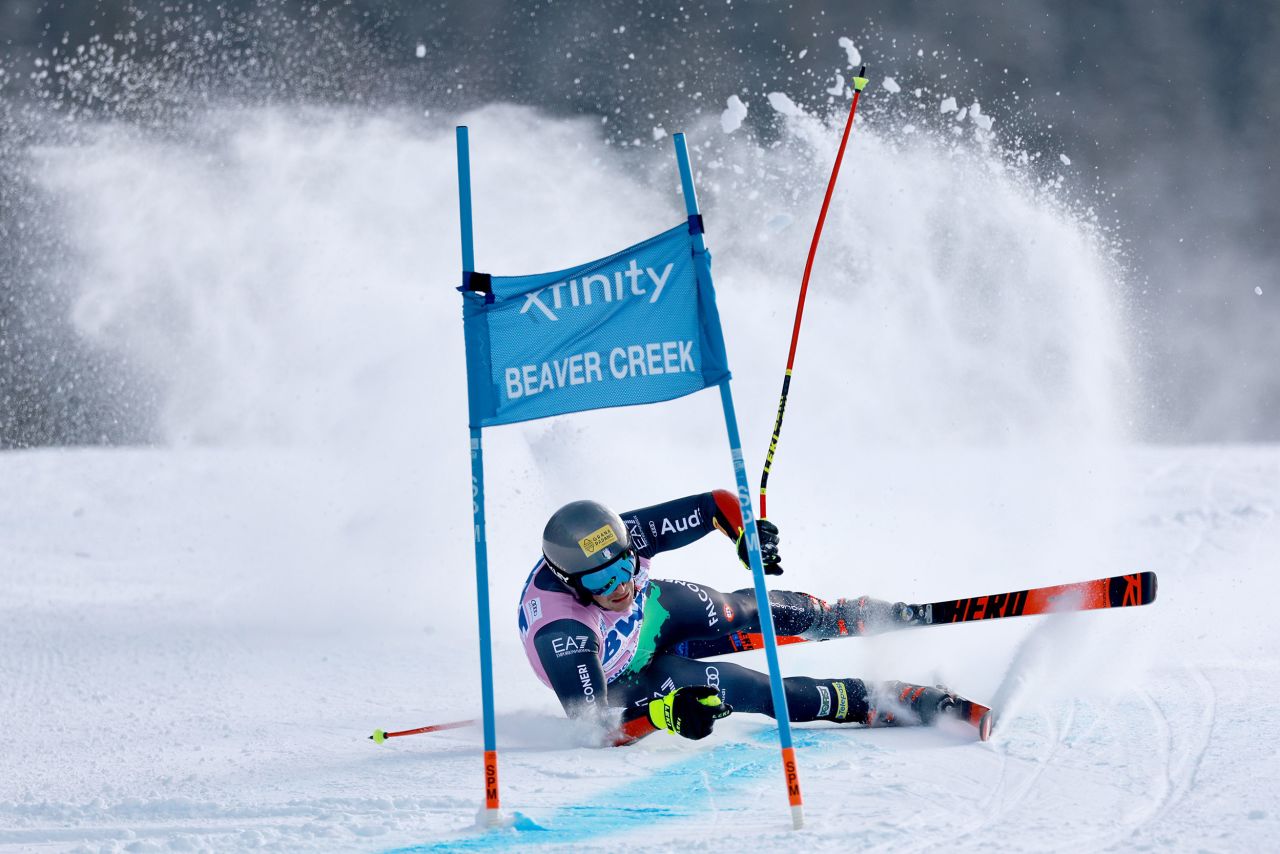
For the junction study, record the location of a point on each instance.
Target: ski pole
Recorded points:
(380, 736)
(859, 83)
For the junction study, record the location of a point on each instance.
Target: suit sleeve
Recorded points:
(570, 656)
(675, 524)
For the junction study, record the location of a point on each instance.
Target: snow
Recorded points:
(735, 111)
(892, 85)
(855, 58)
(948, 105)
(979, 118)
(420, 51)
(197, 638)
(185, 666)
(784, 105)
(1066, 161)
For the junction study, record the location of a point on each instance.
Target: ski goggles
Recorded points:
(611, 576)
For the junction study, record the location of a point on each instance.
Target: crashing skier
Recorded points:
(605, 636)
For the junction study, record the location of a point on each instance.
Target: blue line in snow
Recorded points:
(639, 804)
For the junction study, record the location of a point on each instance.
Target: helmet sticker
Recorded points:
(596, 540)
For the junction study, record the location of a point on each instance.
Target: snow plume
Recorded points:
(286, 277)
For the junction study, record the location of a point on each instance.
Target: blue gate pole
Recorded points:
(748, 517)
(492, 812)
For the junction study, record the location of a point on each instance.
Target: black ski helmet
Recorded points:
(582, 536)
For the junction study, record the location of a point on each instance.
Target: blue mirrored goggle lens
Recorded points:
(602, 582)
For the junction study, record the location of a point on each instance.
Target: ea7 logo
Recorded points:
(569, 644)
(636, 532)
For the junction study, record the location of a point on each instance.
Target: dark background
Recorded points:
(1167, 111)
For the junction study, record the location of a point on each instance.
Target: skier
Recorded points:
(604, 635)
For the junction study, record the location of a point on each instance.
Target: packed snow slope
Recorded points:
(197, 638)
(195, 645)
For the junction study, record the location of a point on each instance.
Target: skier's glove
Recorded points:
(690, 712)
(768, 547)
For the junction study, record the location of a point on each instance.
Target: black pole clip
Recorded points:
(477, 283)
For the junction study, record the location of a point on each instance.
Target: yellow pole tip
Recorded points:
(860, 83)
(378, 736)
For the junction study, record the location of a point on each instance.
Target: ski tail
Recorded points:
(978, 716)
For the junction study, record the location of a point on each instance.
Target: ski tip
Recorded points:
(1152, 587)
(378, 736)
(985, 724)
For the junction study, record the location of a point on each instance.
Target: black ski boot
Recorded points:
(903, 704)
(862, 616)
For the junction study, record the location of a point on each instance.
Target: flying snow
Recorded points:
(1066, 161)
(735, 112)
(948, 105)
(784, 105)
(855, 58)
(892, 85)
(978, 117)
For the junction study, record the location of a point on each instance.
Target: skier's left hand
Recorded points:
(690, 712)
(768, 547)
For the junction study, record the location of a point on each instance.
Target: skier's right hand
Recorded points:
(768, 547)
(690, 712)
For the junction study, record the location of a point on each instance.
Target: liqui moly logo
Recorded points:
(595, 288)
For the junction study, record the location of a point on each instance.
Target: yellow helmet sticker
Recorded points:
(596, 540)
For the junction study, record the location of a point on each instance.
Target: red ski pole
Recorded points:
(859, 83)
(380, 736)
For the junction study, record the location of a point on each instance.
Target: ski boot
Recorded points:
(904, 704)
(862, 616)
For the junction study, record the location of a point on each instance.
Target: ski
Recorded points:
(1118, 591)
(980, 717)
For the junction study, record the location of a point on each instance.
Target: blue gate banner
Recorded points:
(639, 326)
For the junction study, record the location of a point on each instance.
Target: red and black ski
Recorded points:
(1119, 591)
(976, 715)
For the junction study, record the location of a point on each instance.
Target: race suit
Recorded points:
(595, 658)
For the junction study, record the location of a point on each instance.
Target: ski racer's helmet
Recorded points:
(583, 540)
